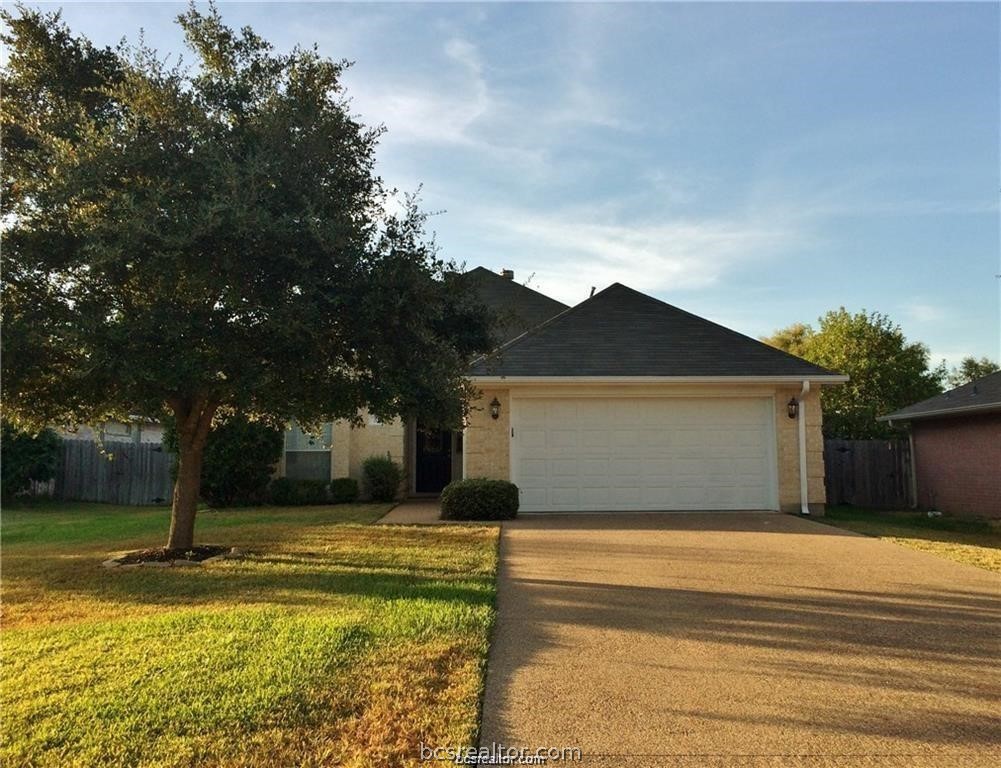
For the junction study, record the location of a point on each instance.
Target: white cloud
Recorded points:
(923, 312)
(590, 248)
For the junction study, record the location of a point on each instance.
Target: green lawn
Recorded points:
(333, 643)
(974, 542)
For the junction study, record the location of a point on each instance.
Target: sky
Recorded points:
(757, 164)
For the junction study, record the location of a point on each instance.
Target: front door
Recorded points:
(433, 459)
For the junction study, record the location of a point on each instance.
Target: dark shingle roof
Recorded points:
(516, 307)
(622, 332)
(983, 394)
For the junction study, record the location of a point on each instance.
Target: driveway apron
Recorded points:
(740, 640)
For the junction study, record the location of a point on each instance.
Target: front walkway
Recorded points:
(740, 639)
(414, 512)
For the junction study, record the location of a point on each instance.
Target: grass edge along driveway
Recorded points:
(333, 643)
(971, 541)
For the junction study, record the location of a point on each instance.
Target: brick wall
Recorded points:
(787, 434)
(487, 441)
(958, 464)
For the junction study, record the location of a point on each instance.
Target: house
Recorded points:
(956, 448)
(622, 402)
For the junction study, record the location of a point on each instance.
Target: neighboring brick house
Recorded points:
(956, 448)
(622, 402)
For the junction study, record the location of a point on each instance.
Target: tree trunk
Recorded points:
(194, 419)
(187, 489)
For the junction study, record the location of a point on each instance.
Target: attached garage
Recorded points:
(644, 453)
(626, 403)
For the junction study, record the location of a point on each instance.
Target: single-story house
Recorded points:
(620, 403)
(956, 448)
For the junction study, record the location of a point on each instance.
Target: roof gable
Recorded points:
(622, 332)
(517, 307)
(983, 394)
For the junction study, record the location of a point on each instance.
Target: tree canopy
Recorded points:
(971, 368)
(886, 371)
(194, 241)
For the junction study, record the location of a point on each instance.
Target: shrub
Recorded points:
(382, 477)
(479, 499)
(287, 492)
(282, 492)
(311, 492)
(343, 490)
(26, 458)
(240, 456)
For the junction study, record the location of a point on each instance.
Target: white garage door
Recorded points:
(594, 454)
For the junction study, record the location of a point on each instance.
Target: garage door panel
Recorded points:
(644, 453)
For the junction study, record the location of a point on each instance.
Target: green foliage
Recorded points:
(479, 499)
(288, 492)
(180, 239)
(24, 458)
(282, 492)
(971, 369)
(240, 457)
(887, 372)
(382, 477)
(343, 490)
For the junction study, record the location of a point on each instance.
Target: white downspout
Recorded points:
(804, 498)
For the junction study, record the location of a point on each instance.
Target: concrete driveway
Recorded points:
(740, 640)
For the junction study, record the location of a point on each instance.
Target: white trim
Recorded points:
(828, 379)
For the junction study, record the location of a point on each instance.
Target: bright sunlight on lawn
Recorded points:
(333, 643)
(975, 542)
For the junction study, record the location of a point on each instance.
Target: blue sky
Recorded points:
(757, 164)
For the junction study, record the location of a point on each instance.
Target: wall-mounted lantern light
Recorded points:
(792, 408)
(495, 408)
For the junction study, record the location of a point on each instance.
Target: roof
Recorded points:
(980, 395)
(516, 307)
(621, 332)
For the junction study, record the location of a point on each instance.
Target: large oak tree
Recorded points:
(193, 241)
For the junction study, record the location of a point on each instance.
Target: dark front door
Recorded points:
(433, 459)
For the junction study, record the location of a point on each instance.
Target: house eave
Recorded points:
(818, 379)
(960, 411)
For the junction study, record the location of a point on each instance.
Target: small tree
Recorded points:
(187, 242)
(26, 458)
(886, 371)
(970, 369)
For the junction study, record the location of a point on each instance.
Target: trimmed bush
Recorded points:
(286, 492)
(479, 499)
(343, 490)
(26, 458)
(282, 492)
(382, 477)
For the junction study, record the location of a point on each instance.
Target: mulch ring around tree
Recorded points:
(163, 557)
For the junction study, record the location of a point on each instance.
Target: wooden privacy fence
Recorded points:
(125, 473)
(868, 473)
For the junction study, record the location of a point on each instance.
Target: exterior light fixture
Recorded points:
(495, 409)
(792, 408)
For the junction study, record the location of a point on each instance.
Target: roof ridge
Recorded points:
(515, 283)
(535, 329)
(718, 325)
